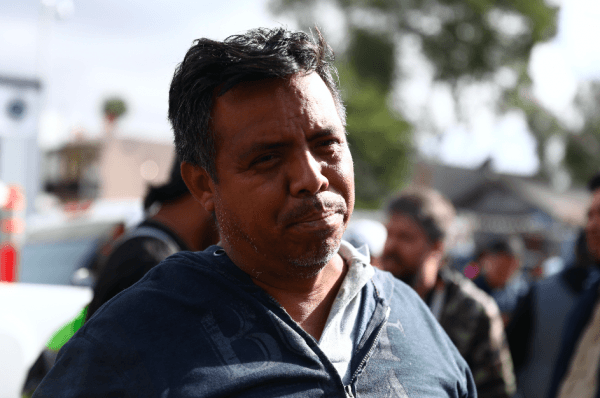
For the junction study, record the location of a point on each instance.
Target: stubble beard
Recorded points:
(303, 265)
(313, 262)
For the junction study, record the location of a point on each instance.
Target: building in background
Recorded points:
(20, 100)
(490, 205)
(110, 167)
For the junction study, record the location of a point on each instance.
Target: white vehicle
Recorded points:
(44, 298)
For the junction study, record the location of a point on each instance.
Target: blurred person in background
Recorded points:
(499, 278)
(418, 222)
(473, 268)
(535, 330)
(578, 364)
(367, 234)
(174, 223)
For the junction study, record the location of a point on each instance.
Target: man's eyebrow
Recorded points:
(264, 146)
(326, 132)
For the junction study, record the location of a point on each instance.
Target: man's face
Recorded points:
(499, 267)
(285, 186)
(592, 228)
(406, 248)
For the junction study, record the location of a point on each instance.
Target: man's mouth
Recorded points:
(317, 212)
(316, 217)
(318, 223)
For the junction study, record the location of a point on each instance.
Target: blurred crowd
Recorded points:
(523, 332)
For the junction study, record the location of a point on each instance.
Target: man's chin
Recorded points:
(313, 259)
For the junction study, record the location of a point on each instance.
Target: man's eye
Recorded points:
(263, 159)
(328, 142)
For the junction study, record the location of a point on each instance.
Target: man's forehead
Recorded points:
(270, 104)
(248, 90)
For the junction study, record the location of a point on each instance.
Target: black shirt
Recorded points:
(130, 260)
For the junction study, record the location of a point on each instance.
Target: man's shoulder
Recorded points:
(407, 306)
(394, 290)
(180, 277)
(413, 332)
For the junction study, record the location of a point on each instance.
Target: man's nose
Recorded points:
(306, 175)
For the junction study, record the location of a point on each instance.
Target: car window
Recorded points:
(54, 262)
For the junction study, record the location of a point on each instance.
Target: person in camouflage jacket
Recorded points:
(418, 221)
(472, 320)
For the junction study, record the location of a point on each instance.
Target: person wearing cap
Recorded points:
(417, 228)
(499, 278)
(174, 223)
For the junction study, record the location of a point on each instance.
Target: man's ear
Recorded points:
(200, 184)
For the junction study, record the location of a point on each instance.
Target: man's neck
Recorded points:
(308, 300)
(194, 226)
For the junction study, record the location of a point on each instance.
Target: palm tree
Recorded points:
(114, 108)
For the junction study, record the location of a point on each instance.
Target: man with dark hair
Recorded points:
(499, 263)
(281, 306)
(535, 330)
(175, 222)
(578, 365)
(418, 223)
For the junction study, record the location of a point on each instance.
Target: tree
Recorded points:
(583, 145)
(114, 108)
(379, 139)
(459, 37)
(467, 42)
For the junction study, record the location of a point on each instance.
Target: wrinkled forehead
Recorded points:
(265, 104)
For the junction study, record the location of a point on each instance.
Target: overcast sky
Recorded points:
(111, 47)
(131, 47)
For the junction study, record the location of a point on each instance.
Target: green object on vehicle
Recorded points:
(66, 332)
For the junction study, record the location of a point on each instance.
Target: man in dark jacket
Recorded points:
(281, 307)
(578, 364)
(535, 331)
